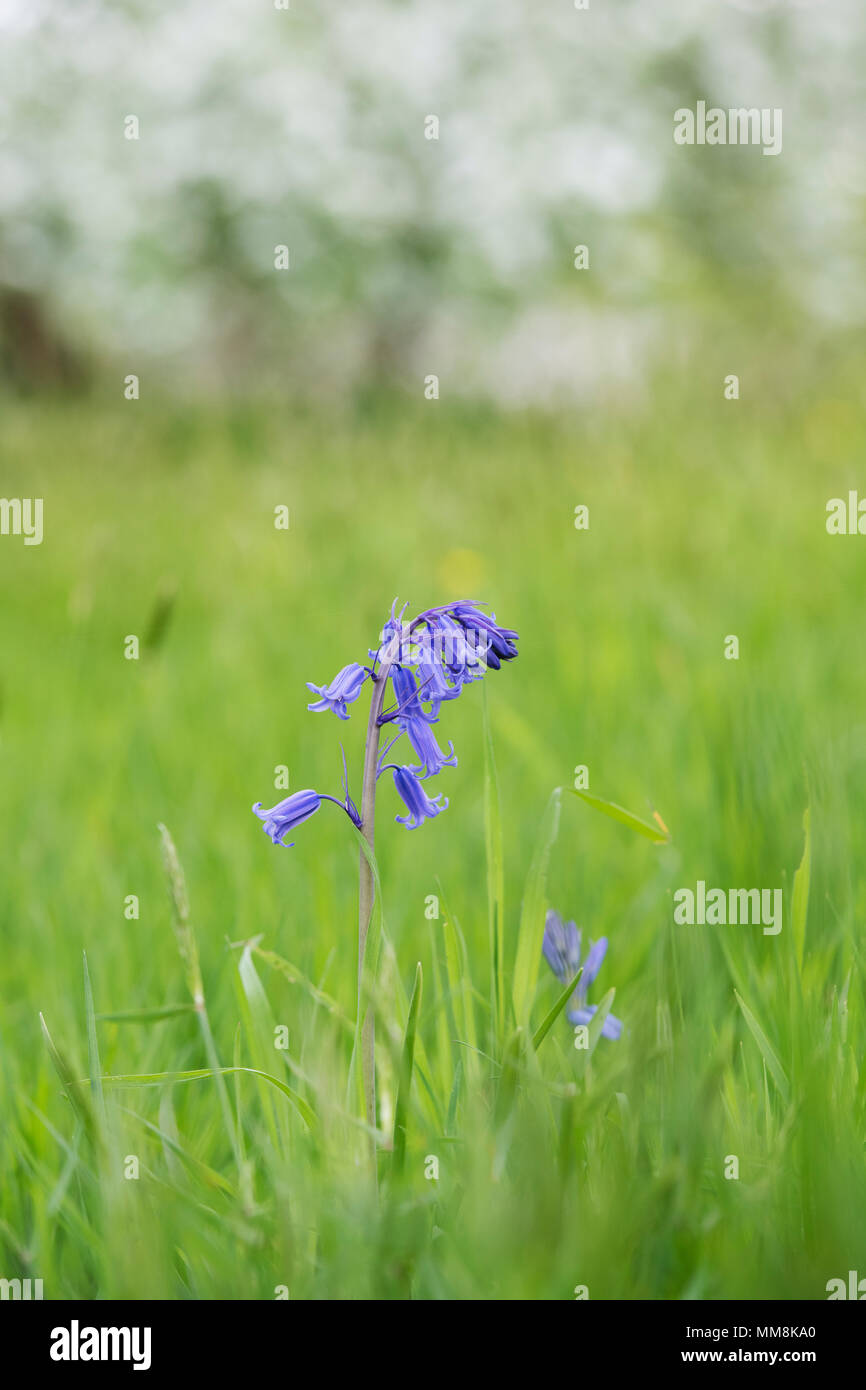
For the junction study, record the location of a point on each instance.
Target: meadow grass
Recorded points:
(556, 1168)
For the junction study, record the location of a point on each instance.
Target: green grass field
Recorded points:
(556, 1169)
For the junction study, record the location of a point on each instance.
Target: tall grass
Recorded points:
(186, 1123)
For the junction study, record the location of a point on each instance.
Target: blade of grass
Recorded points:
(188, 948)
(207, 1174)
(454, 1098)
(457, 959)
(369, 967)
(77, 1098)
(92, 1044)
(544, 1028)
(595, 1025)
(619, 813)
(800, 897)
(444, 1022)
(172, 1078)
(532, 914)
(183, 931)
(259, 1025)
(145, 1015)
(423, 1066)
(774, 1066)
(401, 1108)
(495, 878)
(294, 976)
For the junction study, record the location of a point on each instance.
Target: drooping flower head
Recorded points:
(437, 653)
(562, 951)
(499, 642)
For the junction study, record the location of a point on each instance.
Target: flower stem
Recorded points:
(366, 891)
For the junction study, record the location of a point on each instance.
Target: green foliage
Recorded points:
(556, 1165)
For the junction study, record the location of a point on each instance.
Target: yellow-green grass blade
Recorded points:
(653, 831)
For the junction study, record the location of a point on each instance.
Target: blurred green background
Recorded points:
(305, 388)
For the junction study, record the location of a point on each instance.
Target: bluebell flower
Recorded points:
(439, 652)
(433, 683)
(427, 661)
(562, 951)
(499, 642)
(395, 627)
(460, 657)
(343, 690)
(420, 806)
(433, 686)
(407, 695)
(423, 740)
(281, 819)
